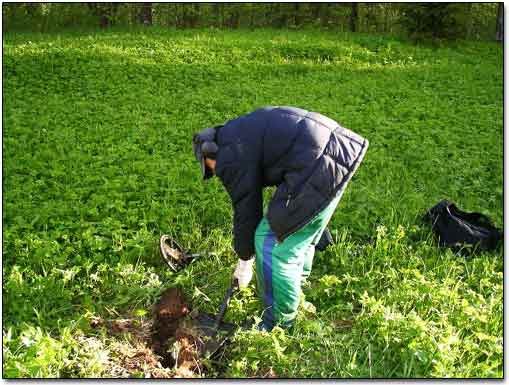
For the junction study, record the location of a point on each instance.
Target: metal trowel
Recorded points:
(214, 331)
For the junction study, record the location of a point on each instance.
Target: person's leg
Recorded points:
(317, 227)
(280, 267)
(278, 272)
(263, 240)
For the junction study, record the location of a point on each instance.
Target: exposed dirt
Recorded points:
(141, 329)
(166, 347)
(168, 312)
(343, 324)
(143, 359)
(270, 374)
(134, 358)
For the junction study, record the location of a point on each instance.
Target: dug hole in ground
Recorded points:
(168, 346)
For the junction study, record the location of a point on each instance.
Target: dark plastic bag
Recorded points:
(461, 230)
(325, 240)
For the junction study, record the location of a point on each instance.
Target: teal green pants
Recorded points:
(282, 267)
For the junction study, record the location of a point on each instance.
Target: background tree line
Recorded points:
(427, 20)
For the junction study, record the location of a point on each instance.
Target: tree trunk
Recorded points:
(354, 15)
(500, 22)
(176, 15)
(268, 13)
(222, 15)
(168, 15)
(113, 12)
(469, 23)
(32, 8)
(316, 11)
(217, 14)
(196, 15)
(283, 16)
(296, 18)
(278, 21)
(133, 14)
(145, 15)
(251, 16)
(183, 15)
(230, 16)
(234, 15)
(327, 16)
(102, 11)
(386, 17)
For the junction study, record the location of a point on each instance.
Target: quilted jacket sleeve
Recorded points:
(245, 189)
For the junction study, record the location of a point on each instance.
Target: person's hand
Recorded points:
(244, 272)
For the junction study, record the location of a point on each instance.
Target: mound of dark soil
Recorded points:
(167, 346)
(169, 331)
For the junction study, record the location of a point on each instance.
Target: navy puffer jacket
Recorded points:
(308, 156)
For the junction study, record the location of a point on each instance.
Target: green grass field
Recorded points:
(97, 163)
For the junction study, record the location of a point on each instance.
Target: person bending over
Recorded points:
(310, 158)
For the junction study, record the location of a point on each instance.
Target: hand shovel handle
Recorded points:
(226, 301)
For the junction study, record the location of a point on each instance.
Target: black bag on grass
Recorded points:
(325, 240)
(461, 230)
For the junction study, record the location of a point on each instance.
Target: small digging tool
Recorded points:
(213, 331)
